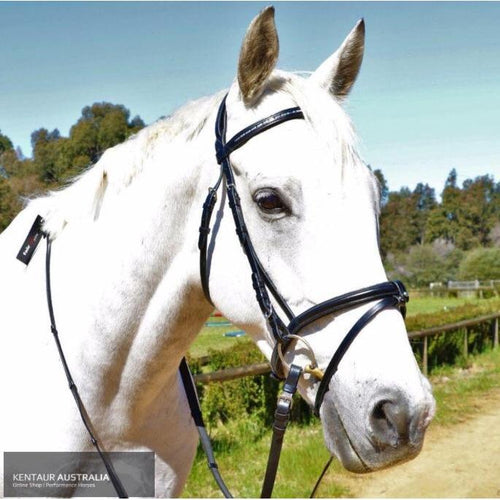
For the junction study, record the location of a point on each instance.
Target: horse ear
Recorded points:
(339, 71)
(258, 55)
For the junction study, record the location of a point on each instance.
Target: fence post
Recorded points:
(425, 358)
(495, 333)
(466, 343)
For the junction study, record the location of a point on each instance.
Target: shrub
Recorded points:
(481, 264)
(256, 396)
(423, 264)
(447, 348)
(452, 315)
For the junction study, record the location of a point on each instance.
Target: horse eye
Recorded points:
(269, 201)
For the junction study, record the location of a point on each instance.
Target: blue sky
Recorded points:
(427, 98)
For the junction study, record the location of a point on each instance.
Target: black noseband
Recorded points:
(388, 294)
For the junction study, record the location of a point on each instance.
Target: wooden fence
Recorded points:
(262, 368)
(460, 325)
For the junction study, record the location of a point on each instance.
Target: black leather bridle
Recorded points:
(386, 295)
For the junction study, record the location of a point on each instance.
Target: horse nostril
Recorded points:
(394, 423)
(390, 422)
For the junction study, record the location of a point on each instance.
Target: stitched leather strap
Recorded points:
(345, 344)
(113, 476)
(393, 290)
(281, 419)
(261, 281)
(194, 406)
(206, 217)
(348, 301)
(224, 150)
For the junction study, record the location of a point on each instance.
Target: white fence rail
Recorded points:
(472, 285)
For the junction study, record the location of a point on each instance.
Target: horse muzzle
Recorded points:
(391, 432)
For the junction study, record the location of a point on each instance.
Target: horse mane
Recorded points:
(82, 198)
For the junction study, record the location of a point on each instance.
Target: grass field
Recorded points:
(241, 447)
(426, 305)
(212, 337)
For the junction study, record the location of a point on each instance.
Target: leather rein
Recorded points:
(391, 294)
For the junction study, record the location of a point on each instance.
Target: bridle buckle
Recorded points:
(285, 397)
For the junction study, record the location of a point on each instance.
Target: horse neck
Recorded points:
(134, 279)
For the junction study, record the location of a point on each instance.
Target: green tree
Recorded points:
(451, 180)
(56, 158)
(422, 264)
(481, 264)
(101, 126)
(480, 207)
(44, 145)
(136, 124)
(466, 215)
(397, 230)
(113, 129)
(7, 204)
(83, 136)
(5, 143)
(382, 184)
(404, 217)
(425, 201)
(9, 162)
(14, 164)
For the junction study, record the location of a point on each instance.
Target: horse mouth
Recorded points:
(338, 442)
(369, 456)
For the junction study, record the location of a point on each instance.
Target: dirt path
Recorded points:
(458, 461)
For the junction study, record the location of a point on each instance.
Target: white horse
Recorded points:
(126, 285)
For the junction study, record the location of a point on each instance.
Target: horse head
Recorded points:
(310, 207)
